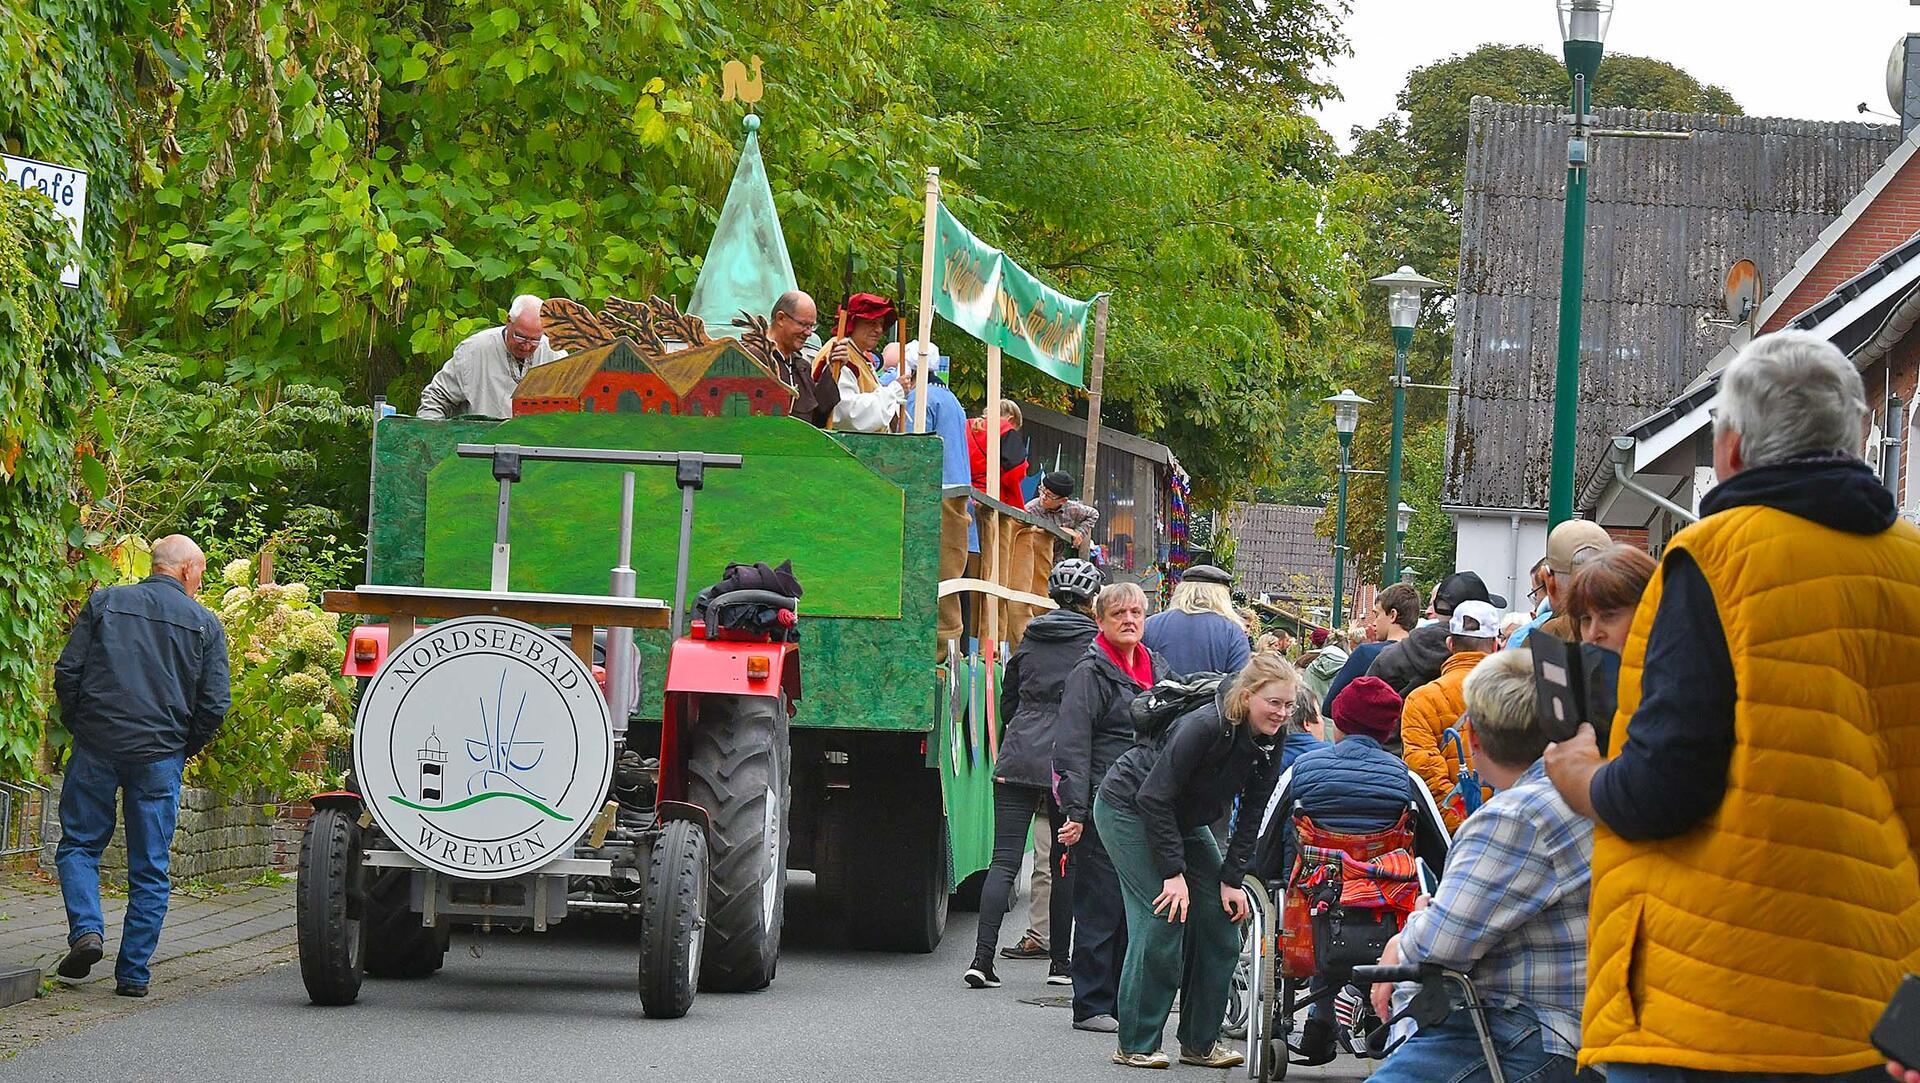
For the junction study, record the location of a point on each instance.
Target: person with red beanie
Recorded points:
(1356, 787)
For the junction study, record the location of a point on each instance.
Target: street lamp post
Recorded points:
(1346, 418)
(1583, 35)
(1404, 288)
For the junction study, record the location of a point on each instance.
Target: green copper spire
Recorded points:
(747, 266)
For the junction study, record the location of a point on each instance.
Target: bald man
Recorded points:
(488, 365)
(143, 686)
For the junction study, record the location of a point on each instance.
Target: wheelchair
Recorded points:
(1334, 911)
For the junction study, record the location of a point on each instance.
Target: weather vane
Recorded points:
(735, 83)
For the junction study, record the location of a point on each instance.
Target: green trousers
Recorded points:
(1158, 962)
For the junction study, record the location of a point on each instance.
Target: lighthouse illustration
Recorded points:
(433, 769)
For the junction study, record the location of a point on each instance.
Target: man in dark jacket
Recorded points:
(142, 685)
(1396, 613)
(1417, 659)
(1095, 728)
(1356, 787)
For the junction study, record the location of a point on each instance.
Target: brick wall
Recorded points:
(1891, 221)
(218, 839)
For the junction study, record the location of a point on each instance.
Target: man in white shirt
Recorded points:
(866, 404)
(484, 370)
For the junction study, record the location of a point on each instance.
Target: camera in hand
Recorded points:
(1897, 1034)
(1575, 682)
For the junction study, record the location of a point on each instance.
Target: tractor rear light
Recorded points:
(365, 650)
(758, 667)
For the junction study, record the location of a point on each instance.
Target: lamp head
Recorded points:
(1404, 288)
(1346, 410)
(1584, 20)
(1405, 516)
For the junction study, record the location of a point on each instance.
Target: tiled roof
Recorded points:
(1276, 551)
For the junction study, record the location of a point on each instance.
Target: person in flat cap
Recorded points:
(1356, 787)
(866, 405)
(1200, 631)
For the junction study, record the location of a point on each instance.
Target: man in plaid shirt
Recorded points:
(1511, 910)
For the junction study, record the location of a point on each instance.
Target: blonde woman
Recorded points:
(1183, 896)
(1200, 630)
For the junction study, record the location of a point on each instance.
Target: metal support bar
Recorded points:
(613, 456)
(1632, 486)
(622, 583)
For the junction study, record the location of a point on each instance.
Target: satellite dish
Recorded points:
(1740, 294)
(1897, 76)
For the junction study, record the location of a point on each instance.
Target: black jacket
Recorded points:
(1095, 727)
(1030, 692)
(1189, 780)
(144, 675)
(1671, 774)
(1356, 787)
(1415, 660)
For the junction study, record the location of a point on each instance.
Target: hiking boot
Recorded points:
(1059, 975)
(1155, 1059)
(981, 976)
(1029, 947)
(1316, 1043)
(130, 990)
(1099, 1024)
(80, 957)
(1220, 1056)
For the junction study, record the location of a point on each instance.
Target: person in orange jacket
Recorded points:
(1439, 705)
(1013, 455)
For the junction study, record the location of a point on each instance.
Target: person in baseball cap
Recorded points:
(1419, 657)
(1570, 545)
(1439, 705)
(1356, 787)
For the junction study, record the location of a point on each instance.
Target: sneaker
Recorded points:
(130, 990)
(1029, 947)
(1099, 1024)
(1155, 1059)
(1220, 1056)
(981, 976)
(1059, 975)
(81, 956)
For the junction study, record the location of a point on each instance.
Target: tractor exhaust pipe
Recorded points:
(622, 694)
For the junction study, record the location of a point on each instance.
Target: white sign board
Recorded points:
(483, 747)
(63, 184)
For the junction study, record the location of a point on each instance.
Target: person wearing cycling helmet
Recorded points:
(1036, 675)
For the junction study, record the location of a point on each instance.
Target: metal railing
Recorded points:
(24, 811)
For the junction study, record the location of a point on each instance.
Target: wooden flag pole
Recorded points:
(1088, 476)
(924, 366)
(992, 481)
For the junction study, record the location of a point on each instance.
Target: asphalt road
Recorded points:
(564, 1006)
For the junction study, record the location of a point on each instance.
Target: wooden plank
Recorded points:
(567, 609)
(1090, 471)
(583, 643)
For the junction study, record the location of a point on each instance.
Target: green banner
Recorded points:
(982, 292)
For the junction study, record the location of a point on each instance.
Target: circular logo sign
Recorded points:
(483, 747)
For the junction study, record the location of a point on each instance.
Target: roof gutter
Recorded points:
(1621, 453)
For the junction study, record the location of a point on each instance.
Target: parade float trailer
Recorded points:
(667, 769)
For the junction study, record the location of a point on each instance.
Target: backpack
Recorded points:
(1154, 710)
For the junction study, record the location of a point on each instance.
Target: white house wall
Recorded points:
(1502, 547)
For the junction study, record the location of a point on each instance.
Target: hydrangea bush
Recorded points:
(289, 698)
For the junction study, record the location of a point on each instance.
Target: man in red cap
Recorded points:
(1357, 788)
(866, 405)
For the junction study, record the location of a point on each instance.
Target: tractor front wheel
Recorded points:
(329, 908)
(672, 920)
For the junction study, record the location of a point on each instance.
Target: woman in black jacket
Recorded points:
(1184, 898)
(1095, 728)
(1030, 691)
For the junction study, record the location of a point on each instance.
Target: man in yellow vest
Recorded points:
(1755, 892)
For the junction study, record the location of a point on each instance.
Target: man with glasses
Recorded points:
(1571, 544)
(480, 378)
(792, 322)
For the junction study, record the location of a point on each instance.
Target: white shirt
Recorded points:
(866, 411)
(481, 376)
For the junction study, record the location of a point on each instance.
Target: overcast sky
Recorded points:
(1781, 58)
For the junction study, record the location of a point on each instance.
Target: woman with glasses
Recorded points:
(1183, 896)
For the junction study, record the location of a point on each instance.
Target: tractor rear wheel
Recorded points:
(329, 908)
(398, 946)
(737, 760)
(672, 920)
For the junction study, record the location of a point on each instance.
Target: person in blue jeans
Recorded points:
(1511, 910)
(142, 686)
